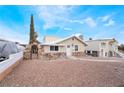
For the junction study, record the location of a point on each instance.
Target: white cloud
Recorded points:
(105, 18)
(8, 33)
(121, 32)
(67, 29)
(54, 15)
(77, 21)
(90, 22)
(110, 23)
(60, 16)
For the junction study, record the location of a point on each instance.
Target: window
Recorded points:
(101, 50)
(51, 48)
(95, 53)
(54, 48)
(105, 53)
(68, 46)
(88, 52)
(76, 47)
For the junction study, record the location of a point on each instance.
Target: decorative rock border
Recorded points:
(78, 54)
(54, 55)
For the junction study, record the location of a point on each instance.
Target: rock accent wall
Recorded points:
(53, 56)
(40, 50)
(78, 54)
(26, 54)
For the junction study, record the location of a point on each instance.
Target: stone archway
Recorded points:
(33, 50)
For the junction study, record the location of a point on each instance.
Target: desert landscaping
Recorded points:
(66, 73)
(68, 51)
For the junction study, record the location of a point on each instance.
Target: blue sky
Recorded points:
(92, 21)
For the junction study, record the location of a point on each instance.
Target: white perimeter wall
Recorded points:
(9, 62)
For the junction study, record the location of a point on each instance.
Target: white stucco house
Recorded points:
(102, 47)
(75, 45)
(71, 45)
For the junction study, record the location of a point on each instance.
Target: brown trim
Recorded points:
(81, 41)
(102, 40)
(70, 38)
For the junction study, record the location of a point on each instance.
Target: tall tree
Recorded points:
(32, 30)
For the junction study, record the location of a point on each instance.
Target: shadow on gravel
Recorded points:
(122, 85)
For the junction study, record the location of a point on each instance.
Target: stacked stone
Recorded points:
(53, 56)
(26, 54)
(78, 54)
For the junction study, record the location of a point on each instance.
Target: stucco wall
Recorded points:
(92, 45)
(96, 46)
(47, 49)
(48, 39)
(114, 46)
(81, 46)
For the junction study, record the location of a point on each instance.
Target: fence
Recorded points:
(7, 65)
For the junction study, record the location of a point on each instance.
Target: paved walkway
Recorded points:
(66, 73)
(98, 60)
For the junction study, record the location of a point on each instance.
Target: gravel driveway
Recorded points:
(66, 73)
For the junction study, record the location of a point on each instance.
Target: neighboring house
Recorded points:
(102, 47)
(72, 45)
(49, 39)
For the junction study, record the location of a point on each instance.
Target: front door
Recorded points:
(68, 50)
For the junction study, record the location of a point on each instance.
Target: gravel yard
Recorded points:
(66, 73)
